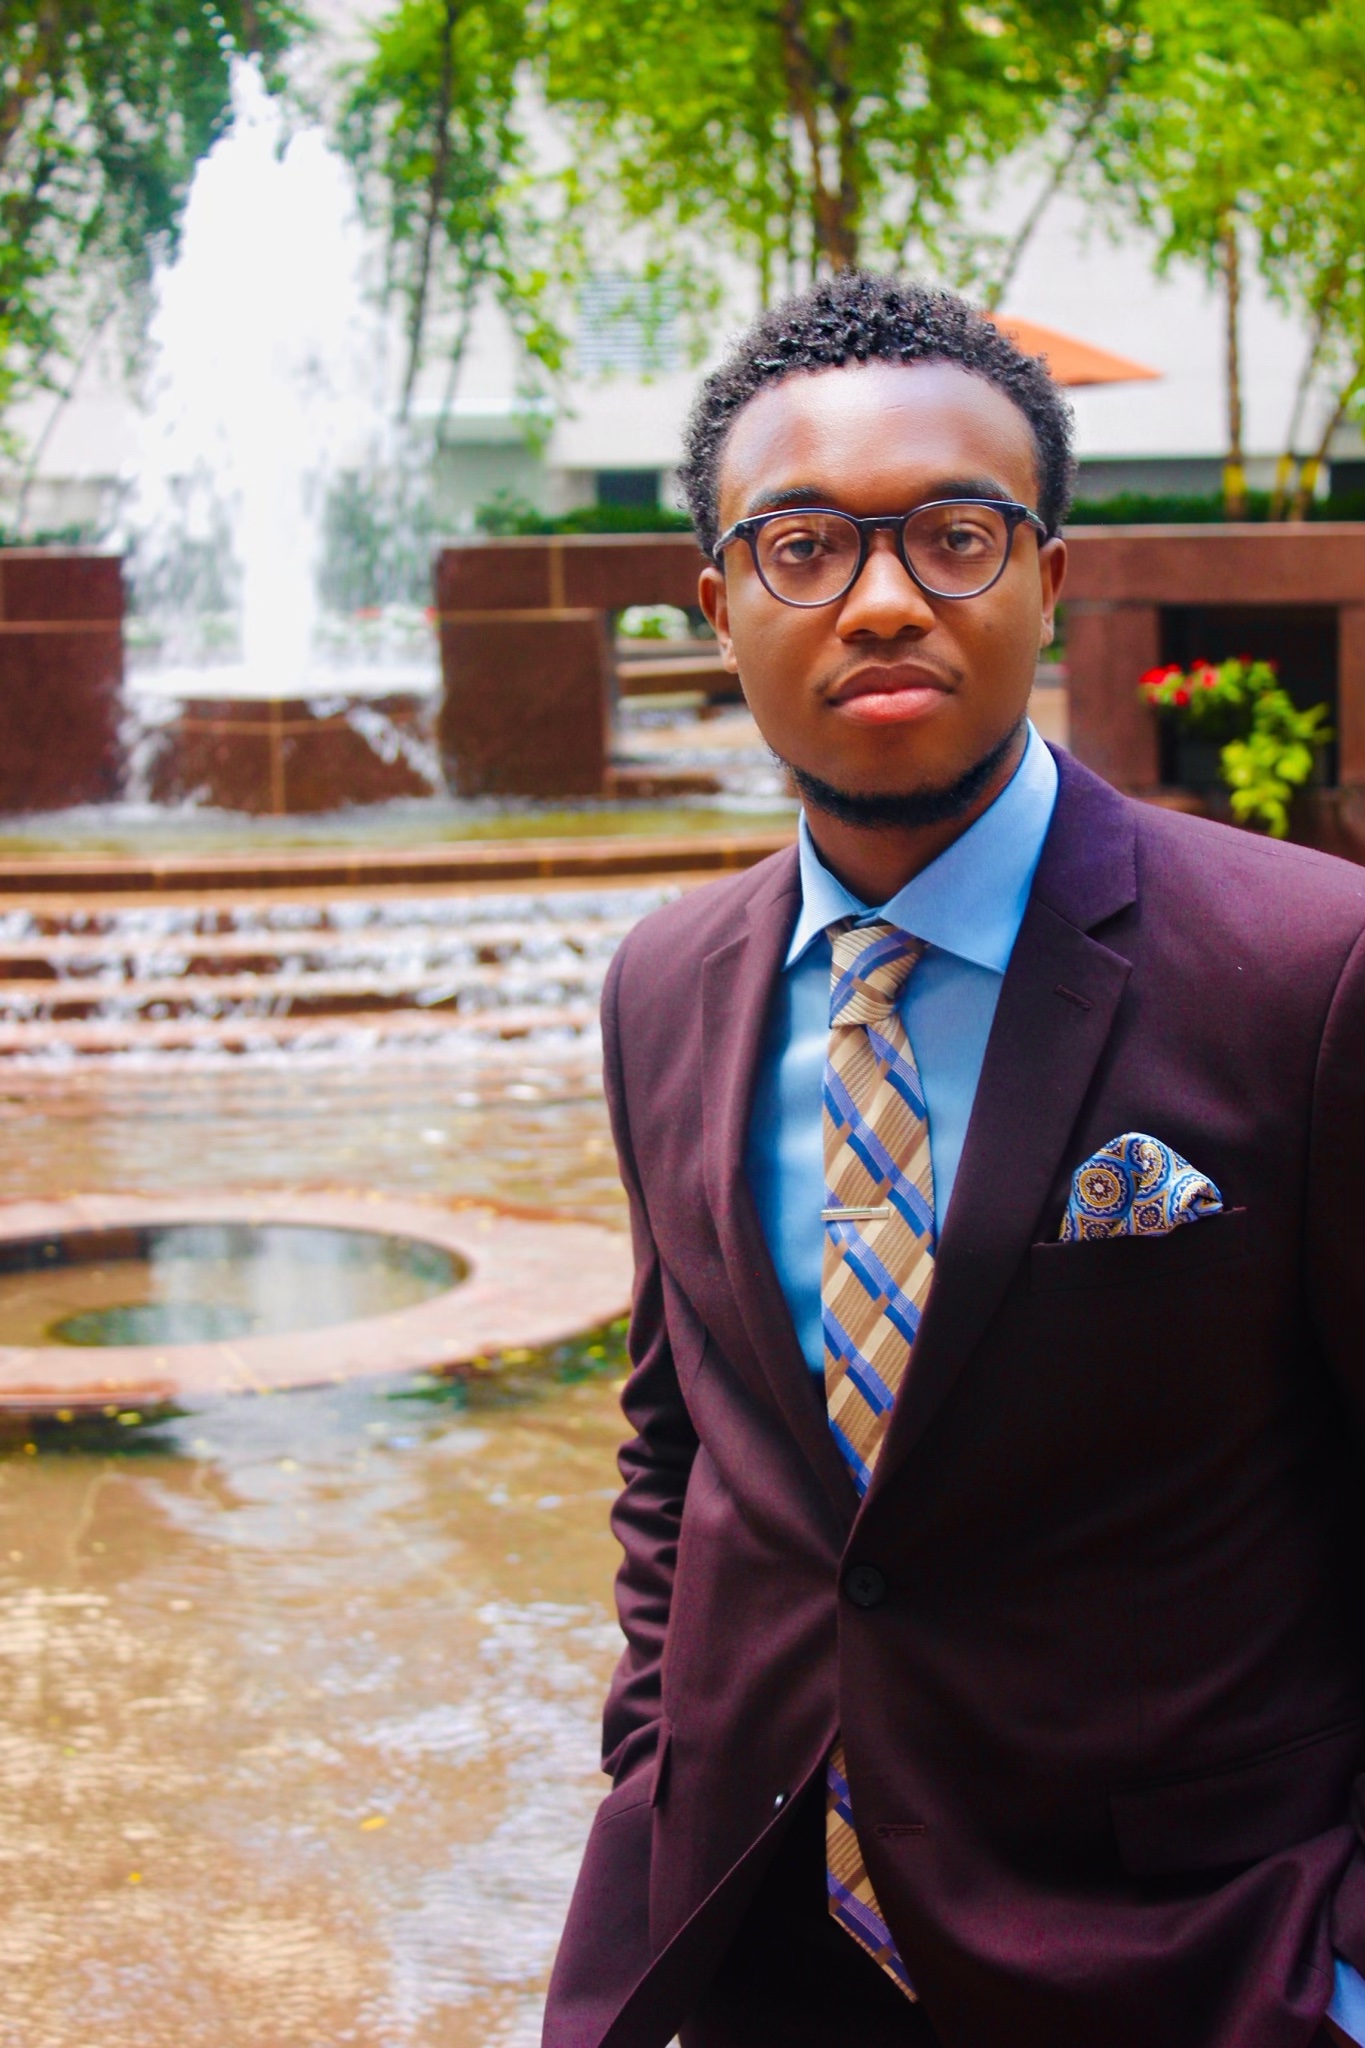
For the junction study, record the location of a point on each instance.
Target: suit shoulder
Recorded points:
(1285, 903)
(670, 943)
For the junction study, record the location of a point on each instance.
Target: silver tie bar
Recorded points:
(854, 1215)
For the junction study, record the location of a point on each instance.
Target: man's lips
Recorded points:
(889, 693)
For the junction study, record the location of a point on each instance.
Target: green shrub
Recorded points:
(1135, 508)
(506, 513)
(1270, 748)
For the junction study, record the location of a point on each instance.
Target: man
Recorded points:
(992, 1526)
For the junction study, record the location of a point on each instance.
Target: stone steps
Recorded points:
(470, 989)
(329, 970)
(350, 1031)
(116, 955)
(455, 863)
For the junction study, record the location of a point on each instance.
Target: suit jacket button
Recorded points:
(864, 1585)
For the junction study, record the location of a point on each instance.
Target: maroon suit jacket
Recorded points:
(1103, 1729)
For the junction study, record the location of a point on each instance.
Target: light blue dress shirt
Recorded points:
(967, 906)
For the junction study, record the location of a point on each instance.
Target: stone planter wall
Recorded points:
(280, 757)
(61, 678)
(1137, 596)
(526, 658)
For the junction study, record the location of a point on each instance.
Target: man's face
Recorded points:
(886, 691)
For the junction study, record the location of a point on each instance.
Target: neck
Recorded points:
(874, 862)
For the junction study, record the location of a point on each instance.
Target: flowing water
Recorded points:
(301, 1691)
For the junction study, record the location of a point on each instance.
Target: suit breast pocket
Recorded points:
(1139, 1261)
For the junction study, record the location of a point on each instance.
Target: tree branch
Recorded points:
(1080, 136)
(1234, 473)
(1284, 468)
(440, 170)
(1312, 469)
(803, 94)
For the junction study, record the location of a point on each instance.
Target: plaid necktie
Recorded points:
(878, 1265)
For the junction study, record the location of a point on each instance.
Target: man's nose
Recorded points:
(885, 601)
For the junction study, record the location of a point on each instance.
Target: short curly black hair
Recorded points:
(860, 316)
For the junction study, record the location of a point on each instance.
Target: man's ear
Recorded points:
(1051, 576)
(714, 600)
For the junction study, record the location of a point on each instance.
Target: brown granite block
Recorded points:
(60, 702)
(1333, 820)
(277, 757)
(603, 571)
(61, 674)
(1321, 563)
(1108, 647)
(50, 584)
(329, 764)
(494, 575)
(1351, 695)
(525, 710)
(611, 571)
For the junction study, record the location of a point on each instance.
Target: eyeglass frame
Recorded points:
(1014, 514)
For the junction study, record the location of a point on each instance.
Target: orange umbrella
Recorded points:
(1070, 361)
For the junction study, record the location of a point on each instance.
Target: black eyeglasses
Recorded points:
(955, 547)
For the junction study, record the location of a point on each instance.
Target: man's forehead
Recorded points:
(858, 433)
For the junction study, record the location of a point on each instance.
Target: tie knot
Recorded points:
(872, 964)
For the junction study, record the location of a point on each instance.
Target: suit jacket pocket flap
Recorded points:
(1116, 1261)
(1240, 1814)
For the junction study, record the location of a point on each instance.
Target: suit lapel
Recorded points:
(1057, 1007)
(737, 984)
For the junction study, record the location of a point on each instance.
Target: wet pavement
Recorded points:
(299, 1742)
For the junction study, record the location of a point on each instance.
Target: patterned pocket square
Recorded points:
(1136, 1187)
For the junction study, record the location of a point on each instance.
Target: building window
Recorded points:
(627, 486)
(627, 326)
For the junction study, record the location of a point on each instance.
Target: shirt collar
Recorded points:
(971, 900)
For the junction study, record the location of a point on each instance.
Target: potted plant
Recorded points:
(1236, 728)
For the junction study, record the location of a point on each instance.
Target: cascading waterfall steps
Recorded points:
(284, 956)
(82, 1279)
(340, 973)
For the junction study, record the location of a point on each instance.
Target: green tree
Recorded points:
(105, 108)
(815, 134)
(430, 123)
(1310, 220)
(1194, 148)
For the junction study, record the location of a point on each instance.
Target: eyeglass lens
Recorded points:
(812, 557)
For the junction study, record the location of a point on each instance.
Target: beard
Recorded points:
(909, 809)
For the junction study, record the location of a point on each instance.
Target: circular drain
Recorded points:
(124, 1301)
(188, 1283)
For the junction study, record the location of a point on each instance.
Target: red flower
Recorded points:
(1182, 698)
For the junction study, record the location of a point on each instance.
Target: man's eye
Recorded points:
(963, 539)
(798, 547)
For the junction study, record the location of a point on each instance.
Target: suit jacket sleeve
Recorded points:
(1334, 1255)
(1335, 1246)
(655, 1463)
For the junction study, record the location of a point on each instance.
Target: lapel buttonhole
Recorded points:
(1069, 995)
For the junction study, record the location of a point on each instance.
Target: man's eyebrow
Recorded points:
(818, 495)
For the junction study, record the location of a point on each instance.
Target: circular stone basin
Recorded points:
(116, 1301)
(191, 1283)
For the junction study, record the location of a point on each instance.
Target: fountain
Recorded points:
(268, 384)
